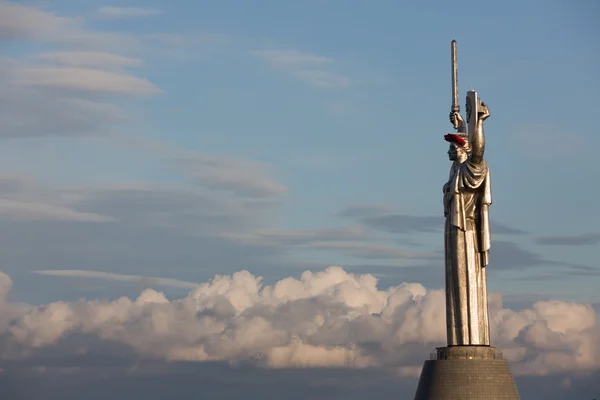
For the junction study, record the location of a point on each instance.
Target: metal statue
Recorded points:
(467, 197)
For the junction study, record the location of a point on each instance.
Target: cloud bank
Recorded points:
(325, 319)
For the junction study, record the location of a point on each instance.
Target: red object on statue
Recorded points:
(451, 137)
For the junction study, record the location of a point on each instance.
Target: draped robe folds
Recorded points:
(467, 196)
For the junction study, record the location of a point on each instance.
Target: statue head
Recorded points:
(459, 146)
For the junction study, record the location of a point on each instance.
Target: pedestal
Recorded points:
(466, 373)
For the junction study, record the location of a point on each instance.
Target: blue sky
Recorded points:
(155, 143)
(329, 104)
(342, 105)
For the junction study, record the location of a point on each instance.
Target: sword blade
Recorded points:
(455, 103)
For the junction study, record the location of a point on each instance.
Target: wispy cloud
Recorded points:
(24, 22)
(236, 175)
(52, 93)
(352, 241)
(371, 251)
(88, 59)
(23, 199)
(359, 211)
(379, 217)
(32, 211)
(85, 79)
(585, 239)
(126, 12)
(146, 280)
(286, 237)
(312, 69)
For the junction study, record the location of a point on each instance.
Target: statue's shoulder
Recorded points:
(481, 165)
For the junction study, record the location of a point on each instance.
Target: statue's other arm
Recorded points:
(478, 139)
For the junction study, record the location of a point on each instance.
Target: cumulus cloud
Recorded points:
(325, 319)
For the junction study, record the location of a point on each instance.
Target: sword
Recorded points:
(455, 104)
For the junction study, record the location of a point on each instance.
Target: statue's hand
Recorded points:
(456, 119)
(483, 111)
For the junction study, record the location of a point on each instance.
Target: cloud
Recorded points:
(285, 237)
(74, 86)
(352, 241)
(180, 207)
(310, 68)
(32, 211)
(30, 112)
(365, 210)
(88, 59)
(85, 79)
(126, 12)
(585, 239)
(370, 251)
(24, 199)
(402, 223)
(147, 280)
(243, 177)
(325, 319)
(177, 207)
(130, 228)
(23, 22)
(236, 175)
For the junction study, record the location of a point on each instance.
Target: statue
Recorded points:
(467, 197)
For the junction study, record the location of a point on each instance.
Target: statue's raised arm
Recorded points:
(478, 136)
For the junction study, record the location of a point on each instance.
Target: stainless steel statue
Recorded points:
(467, 197)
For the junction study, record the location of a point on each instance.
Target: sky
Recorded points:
(277, 167)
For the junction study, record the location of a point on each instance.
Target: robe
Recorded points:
(467, 197)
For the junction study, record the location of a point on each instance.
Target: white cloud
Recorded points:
(22, 22)
(221, 172)
(272, 236)
(350, 240)
(309, 68)
(85, 79)
(127, 12)
(33, 211)
(370, 251)
(293, 58)
(88, 59)
(218, 172)
(147, 280)
(49, 93)
(23, 199)
(325, 319)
